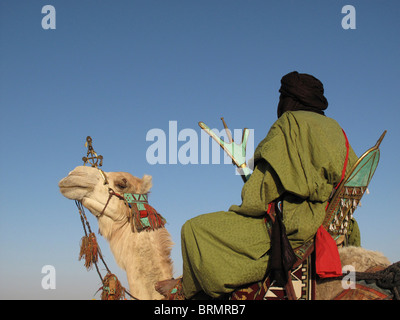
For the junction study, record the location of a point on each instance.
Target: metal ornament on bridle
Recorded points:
(93, 158)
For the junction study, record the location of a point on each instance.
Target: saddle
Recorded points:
(292, 275)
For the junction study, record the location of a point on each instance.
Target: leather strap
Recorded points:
(346, 159)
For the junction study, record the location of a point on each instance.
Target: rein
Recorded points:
(111, 193)
(90, 251)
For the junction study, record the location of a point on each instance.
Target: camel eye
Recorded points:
(123, 184)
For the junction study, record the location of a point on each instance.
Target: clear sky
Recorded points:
(115, 70)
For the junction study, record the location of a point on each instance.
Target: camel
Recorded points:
(145, 256)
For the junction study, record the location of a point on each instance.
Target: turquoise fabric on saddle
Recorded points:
(365, 169)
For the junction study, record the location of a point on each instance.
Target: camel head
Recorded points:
(148, 252)
(87, 185)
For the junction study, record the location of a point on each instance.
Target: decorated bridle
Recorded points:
(142, 217)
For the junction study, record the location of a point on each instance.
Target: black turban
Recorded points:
(301, 91)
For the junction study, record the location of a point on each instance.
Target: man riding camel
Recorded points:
(299, 162)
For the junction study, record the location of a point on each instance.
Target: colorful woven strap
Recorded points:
(143, 216)
(136, 198)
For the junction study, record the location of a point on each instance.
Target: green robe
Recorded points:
(300, 160)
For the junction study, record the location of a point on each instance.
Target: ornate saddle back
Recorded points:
(348, 194)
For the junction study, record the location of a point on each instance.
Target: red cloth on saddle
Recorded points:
(327, 259)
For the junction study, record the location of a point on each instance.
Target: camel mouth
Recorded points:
(74, 182)
(74, 192)
(78, 183)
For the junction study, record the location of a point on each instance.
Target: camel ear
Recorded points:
(146, 184)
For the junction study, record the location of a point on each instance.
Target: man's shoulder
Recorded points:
(311, 118)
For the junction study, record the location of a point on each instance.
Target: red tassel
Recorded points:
(89, 250)
(156, 220)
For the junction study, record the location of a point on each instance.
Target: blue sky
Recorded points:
(114, 70)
